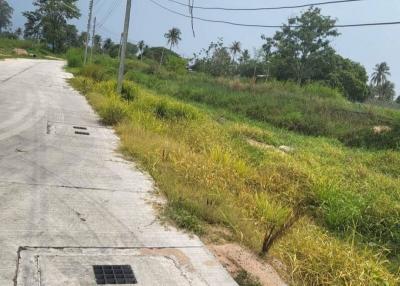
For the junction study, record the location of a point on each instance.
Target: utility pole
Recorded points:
(93, 43)
(120, 46)
(124, 43)
(88, 30)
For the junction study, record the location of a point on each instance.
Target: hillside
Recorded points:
(273, 159)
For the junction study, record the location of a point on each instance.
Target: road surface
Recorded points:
(68, 201)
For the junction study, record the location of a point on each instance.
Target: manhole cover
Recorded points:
(114, 274)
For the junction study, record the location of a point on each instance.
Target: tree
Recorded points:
(349, 77)
(82, 39)
(141, 47)
(384, 92)
(235, 48)
(71, 36)
(398, 99)
(18, 32)
(380, 74)
(97, 43)
(107, 45)
(302, 44)
(6, 12)
(49, 21)
(245, 57)
(214, 60)
(381, 87)
(173, 37)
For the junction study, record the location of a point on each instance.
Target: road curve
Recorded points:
(68, 201)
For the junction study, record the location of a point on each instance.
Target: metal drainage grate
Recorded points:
(80, 127)
(114, 274)
(82, 133)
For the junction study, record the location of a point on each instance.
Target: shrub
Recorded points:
(368, 138)
(112, 110)
(174, 111)
(75, 58)
(94, 72)
(129, 91)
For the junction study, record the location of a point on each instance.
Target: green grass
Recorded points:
(8, 45)
(200, 157)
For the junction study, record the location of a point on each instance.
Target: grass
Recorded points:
(348, 233)
(8, 45)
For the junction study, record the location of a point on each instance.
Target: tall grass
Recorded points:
(8, 45)
(348, 198)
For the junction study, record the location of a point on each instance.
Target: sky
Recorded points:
(366, 45)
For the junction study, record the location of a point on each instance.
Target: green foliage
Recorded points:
(350, 78)
(368, 138)
(94, 71)
(175, 64)
(6, 12)
(184, 219)
(173, 37)
(49, 22)
(216, 60)
(210, 173)
(129, 91)
(243, 278)
(155, 53)
(75, 58)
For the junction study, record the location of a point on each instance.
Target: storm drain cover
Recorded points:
(80, 127)
(82, 133)
(114, 274)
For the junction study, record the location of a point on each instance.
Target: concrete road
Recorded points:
(68, 201)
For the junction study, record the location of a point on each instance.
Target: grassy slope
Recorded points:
(210, 173)
(8, 45)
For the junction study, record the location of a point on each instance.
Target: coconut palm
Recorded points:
(141, 47)
(235, 49)
(379, 76)
(173, 37)
(386, 91)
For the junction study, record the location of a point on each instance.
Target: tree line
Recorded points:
(300, 51)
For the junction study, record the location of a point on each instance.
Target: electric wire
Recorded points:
(266, 8)
(268, 26)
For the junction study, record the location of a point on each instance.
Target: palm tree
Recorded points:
(141, 46)
(245, 56)
(379, 76)
(235, 48)
(173, 37)
(387, 91)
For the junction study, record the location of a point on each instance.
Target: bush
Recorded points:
(75, 58)
(174, 111)
(368, 138)
(93, 71)
(129, 91)
(112, 110)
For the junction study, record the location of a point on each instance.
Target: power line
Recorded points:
(117, 3)
(266, 8)
(268, 26)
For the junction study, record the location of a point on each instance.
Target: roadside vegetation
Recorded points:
(333, 210)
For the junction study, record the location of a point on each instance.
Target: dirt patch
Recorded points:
(20, 52)
(236, 259)
(381, 129)
(260, 145)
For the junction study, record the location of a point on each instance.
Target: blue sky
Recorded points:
(368, 45)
